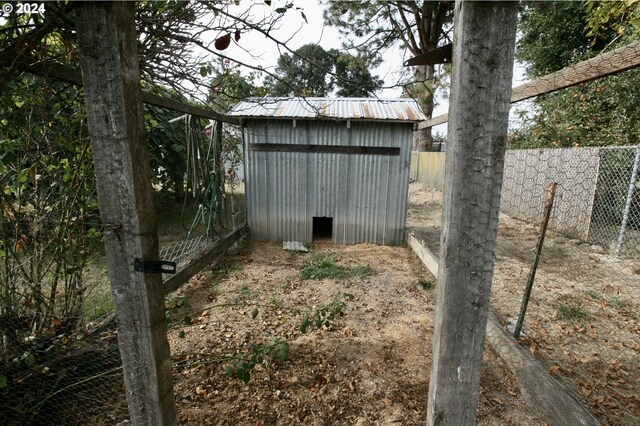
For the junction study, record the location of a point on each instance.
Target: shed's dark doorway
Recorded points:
(322, 228)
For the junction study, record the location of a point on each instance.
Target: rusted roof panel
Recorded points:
(365, 109)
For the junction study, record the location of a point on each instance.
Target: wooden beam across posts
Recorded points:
(115, 117)
(222, 245)
(161, 101)
(61, 72)
(605, 64)
(556, 404)
(484, 45)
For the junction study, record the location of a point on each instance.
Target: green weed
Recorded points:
(244, 293)
(594, 295)
(362, 271)
(618, 303)
(275, 302)
(323, 266)
(176, 301)
(426, 284)
(572, 311)
(224, 269)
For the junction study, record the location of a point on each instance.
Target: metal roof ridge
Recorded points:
(316, 98)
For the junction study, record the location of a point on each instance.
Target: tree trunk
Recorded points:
(423, 139)
(484, 42)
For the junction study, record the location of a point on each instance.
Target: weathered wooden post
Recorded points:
(484, 42)
(111, 77)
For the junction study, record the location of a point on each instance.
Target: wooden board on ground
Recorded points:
(557, 405)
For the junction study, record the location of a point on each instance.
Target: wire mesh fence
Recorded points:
(58, 349)
(582, 317)
(616, 210)
(59, 356)
(197, 182)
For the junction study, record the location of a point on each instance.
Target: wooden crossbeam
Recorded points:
(161, 101)
(219, 248)
(618, 60)
(67, 74)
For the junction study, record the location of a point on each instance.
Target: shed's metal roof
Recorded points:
(366, 109)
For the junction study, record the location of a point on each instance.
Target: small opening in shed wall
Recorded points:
(322, 228)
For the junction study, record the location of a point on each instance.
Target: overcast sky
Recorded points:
(298, 33)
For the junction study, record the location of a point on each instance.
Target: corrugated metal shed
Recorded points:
(354, 171)
(367, 109)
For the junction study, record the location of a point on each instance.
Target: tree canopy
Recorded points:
(602, 112)
(313, 71)
(174, 39)
(554, 35)
(371, 27)
(228, 86)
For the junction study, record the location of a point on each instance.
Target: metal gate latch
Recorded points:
(154, 266)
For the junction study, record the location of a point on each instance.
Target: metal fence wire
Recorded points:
(582, 316)
(597, 200)
(582, 319)
(581, 322)
(616, 206)
(197, 181)
(59, 355)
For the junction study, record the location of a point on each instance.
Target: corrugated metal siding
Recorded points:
(365, 194)
(401, 109)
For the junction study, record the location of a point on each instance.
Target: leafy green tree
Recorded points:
(171, 38)
(553, 36)
(229, 86)
(371, 27)
(314, 71)
(602, 112)
(167, 146)
(353, 76)
(301, 74)
(49, 222)
(620, 17)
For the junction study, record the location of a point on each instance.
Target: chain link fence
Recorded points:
(616, 210)
(582, 316)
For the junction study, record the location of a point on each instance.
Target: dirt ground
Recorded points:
(368, 367)
(583, 316)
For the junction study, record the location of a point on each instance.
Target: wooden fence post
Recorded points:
(484, 43)
(111, 77)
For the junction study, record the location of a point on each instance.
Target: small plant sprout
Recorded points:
(425, 284)
(572, 311)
